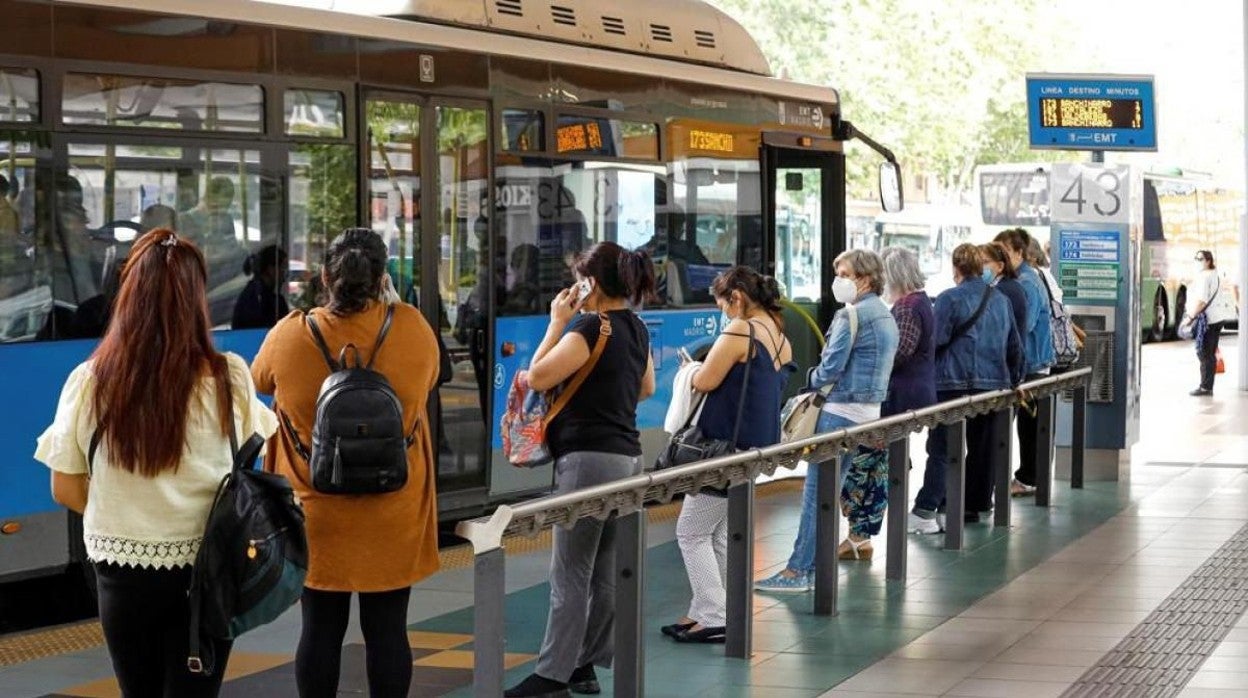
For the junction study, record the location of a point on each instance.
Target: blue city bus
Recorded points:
(487, 146)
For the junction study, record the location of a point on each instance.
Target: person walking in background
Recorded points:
(139, 445)
(594, 440)
(748, 298)
(1212, 308)
(855, 366)
(376, 545)
(1037, 338)
(977, 350)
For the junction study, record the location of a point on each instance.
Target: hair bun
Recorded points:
(771, 291)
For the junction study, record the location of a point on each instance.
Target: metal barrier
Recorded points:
(626, 498)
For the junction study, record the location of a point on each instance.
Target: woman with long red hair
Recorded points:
(139, 445)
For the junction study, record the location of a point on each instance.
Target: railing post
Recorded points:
(827, 536)
(898, 488)
(1044, 451)
(1078, 434)
(955, 485)
(739, 634)
(1003, 461)
(630, 551)
(488, 597)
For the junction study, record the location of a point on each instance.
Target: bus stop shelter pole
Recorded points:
(489, 595)
(740, 581)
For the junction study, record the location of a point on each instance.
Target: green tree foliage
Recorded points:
(942, 83)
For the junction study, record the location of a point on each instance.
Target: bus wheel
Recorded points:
(1161, 317)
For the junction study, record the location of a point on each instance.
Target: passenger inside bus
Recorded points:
(69, 259)
(260, 305)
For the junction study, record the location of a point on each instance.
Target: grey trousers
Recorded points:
(582, 573)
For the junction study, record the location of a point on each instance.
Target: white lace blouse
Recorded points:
(159, 521)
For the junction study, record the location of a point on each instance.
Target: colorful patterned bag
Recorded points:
(530, 412)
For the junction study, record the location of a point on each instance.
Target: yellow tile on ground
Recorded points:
(421, 640)
(241, 664)
(462, 659)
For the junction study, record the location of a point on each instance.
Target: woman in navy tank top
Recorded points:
(752, 304)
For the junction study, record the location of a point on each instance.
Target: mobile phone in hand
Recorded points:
(583, 288)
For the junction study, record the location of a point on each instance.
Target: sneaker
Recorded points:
(779, 582)
(918, 524)
(1018, 489)
(1201, 392)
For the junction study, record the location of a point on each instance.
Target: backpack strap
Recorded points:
(320, 342)
(381, 337)
(303, 451)
(604, 332)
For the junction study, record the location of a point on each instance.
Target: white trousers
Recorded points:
(702, 532)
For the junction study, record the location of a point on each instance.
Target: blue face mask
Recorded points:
(988, 275)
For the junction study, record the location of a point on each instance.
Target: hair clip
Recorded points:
(170, 241)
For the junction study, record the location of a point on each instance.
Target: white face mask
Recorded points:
(844, 290)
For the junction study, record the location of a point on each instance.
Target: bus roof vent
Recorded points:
(515, 8)
(562, 14)
(613, 25)
(691, 31)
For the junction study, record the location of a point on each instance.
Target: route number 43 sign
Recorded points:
(1090, 193)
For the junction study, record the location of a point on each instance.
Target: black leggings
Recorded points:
(383, 619)
(145, 618)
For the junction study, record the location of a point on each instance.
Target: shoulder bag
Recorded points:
(800, 414)
(1065, 343)
(690, 445)
(530, 412)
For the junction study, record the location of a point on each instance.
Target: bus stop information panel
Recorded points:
(1091, 112)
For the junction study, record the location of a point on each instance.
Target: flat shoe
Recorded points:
(676, 628)
(705, 635)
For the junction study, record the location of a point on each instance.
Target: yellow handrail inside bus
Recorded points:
(810, 321)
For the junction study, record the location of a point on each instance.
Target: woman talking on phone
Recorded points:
(594, 440)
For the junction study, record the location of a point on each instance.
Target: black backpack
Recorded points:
(253, 559)
(359, 443)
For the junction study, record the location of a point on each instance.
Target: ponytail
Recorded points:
(617, 272)
(637, 275)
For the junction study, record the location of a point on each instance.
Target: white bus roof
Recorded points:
(448, 27)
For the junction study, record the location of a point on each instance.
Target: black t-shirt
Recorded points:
(602, 415)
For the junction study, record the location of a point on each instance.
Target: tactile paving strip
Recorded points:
(1162, 653)
(26, 647)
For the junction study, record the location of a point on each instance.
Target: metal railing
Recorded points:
(626, 498)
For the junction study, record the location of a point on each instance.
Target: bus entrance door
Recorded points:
(804, 219)
(426, 169)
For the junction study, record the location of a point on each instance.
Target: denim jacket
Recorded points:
(859, 373)
(988, 356)
(1037, 335)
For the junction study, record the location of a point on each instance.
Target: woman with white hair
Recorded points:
(854, 370)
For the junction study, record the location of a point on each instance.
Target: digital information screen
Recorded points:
(1091, 112)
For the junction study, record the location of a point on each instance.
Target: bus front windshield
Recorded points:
(1015, 198)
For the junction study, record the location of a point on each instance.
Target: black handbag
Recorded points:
(690, 445)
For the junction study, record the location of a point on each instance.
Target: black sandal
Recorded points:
(675, 629)
(705, 635)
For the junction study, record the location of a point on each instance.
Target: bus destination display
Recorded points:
(1091, 112)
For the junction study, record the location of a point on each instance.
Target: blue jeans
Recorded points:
(803, 558)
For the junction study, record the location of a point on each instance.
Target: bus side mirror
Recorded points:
(890, 187)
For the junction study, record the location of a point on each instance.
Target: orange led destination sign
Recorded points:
(578, 137)
(712, 141)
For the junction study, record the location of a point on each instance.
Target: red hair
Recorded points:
(157, 348)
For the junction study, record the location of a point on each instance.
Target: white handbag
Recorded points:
(800, 415)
